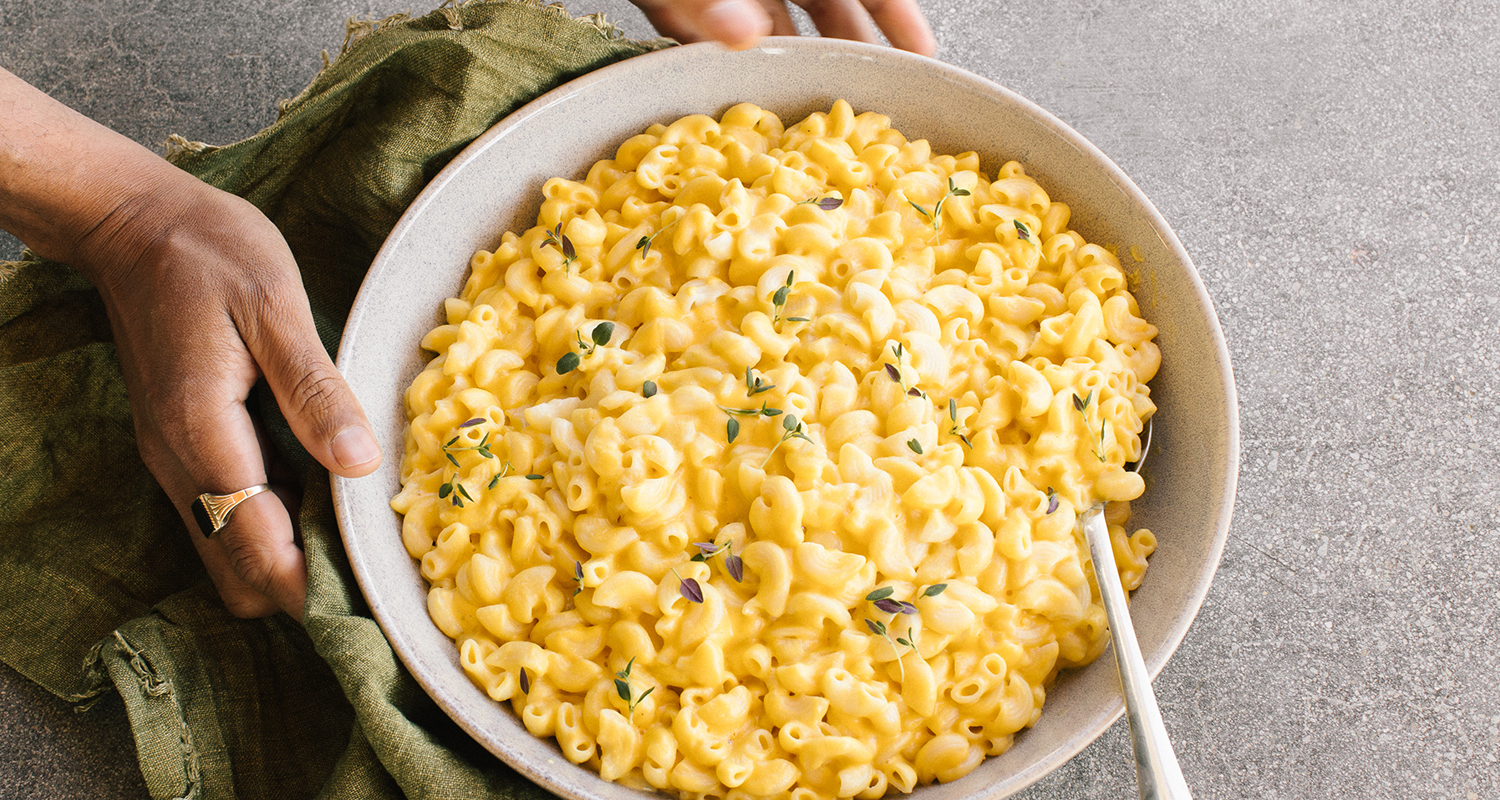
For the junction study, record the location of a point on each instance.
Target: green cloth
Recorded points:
(100, 587)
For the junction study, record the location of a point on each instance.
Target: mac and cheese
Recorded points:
(753, 469)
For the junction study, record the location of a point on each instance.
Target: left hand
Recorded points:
(740, 23)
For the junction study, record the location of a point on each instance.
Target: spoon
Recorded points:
(1156, 771)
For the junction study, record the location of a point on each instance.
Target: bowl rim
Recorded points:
(776, 45)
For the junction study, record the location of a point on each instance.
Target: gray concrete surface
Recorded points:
(1331, 166)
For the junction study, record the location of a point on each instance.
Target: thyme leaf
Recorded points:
(825, 203)
(916, 446)
(880, 594)
(1024, 234)
(1051, 500)
(648, 389)
(602, 333)
(888, 605)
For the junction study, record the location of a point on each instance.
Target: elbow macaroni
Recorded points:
(834, 363)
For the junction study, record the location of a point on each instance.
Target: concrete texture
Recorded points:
(1332, 167)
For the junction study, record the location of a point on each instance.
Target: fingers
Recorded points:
(903, 24)
(840, 19)
(781, 20)
(737, 24)
(900, 20)
(316, 400)
(740, 23)
(196, 443)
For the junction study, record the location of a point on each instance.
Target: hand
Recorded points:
(740, 23)
(205, 298)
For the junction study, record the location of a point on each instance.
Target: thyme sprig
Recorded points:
(1023, 232)
(792, 428)
(454, 489)
(882, 600)
(935, 216)
(955, 429)
(893, 371)
(732, 428)
(779, 298)
(598, 337)
(560, 240)
(1082, 404)
(624, 689)
(578, 577)
(483, 448)
(733, 564)
(504, 470)
(754, 385)
(644, 243)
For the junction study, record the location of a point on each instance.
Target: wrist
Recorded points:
(135, 215)
(73, 190)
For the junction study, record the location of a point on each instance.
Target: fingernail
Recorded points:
(736, 23)
(354, 446)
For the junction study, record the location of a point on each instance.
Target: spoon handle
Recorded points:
(1156, 769)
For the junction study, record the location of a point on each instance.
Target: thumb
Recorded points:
(317, 402)
(738, 24)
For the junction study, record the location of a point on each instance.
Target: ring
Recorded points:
(212, 511)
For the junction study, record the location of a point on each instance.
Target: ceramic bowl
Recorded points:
(495, 185)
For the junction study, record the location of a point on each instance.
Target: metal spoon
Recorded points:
(1156, 770)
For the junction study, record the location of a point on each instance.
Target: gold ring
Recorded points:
(212, 511)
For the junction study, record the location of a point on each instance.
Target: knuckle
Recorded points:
(317, 393)
(251, 560)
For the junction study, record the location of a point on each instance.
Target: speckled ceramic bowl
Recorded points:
(495, 185)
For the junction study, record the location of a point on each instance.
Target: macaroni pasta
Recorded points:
(753, 469)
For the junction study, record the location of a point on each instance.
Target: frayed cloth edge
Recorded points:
(153, 686)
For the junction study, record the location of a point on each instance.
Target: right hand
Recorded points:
(740, 23)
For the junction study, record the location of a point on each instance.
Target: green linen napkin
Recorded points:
(100, 587)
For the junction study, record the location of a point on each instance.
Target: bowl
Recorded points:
(495, 185)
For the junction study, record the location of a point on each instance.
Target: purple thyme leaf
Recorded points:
(472, 422)
(830, 203)
(736, 567)
(888, 605)
(691, 590)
